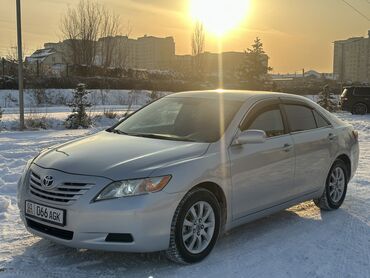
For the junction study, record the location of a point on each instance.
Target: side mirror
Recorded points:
(251, 136)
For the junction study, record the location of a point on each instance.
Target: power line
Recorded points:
(357, 10)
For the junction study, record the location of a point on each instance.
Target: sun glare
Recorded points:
(219, 16)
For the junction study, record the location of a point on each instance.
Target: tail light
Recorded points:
(355, 134)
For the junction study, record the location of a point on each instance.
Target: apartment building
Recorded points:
(155, 53)
(352, 59)
(147, 52)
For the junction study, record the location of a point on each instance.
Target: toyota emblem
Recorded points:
(47, 182)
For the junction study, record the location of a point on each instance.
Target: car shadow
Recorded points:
(292, 241)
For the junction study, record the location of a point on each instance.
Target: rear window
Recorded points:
(365, 91)
(300, 117)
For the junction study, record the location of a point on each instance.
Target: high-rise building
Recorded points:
(352, 59)
(146, 52)
(155, 53)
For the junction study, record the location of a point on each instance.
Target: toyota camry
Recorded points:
(178, 173)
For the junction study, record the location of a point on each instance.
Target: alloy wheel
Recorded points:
(337, 183)
(198, 227)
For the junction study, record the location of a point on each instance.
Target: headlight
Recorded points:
(126, 188)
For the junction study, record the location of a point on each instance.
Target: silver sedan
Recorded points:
(181, 171)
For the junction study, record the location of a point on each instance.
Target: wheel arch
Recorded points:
(347, 161)
(220, 196)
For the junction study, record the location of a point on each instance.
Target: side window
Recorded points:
(362, 91)
(320, 120)
(268, 120)
(300, 117)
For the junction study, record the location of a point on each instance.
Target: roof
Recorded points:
(227, 94)
(40, 55)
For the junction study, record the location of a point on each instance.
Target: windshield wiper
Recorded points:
(161, 136)
(117, 131)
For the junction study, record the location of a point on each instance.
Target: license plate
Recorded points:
(46, 213)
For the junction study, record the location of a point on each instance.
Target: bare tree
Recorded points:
(110, 28)
(81, 26)
(197, 47)
(12, 53)
(123, 48)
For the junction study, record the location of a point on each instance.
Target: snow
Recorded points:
(59, 97)
(298, 242)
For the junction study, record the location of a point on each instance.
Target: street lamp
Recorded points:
(20, 66)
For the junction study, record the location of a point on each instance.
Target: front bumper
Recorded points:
(146, 217)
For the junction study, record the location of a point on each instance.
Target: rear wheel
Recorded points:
(335, 188)
(359, 109)
(195, 227)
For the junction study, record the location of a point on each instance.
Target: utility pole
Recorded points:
(20, 66)
(3, 62)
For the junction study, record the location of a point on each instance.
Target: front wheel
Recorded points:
(195, 227)
(335, 187)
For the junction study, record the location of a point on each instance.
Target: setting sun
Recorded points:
(219, 16)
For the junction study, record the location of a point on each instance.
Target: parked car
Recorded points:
(356, 100)
(178, 173)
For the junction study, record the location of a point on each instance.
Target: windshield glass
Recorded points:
(185, 119)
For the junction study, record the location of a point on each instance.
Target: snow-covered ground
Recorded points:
(299, 242)
(54, 109)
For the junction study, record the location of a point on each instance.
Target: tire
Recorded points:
(359, 109)
(180, 250)
(330, 200)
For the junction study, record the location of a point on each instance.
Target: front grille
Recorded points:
(66, 192)
(63, 234)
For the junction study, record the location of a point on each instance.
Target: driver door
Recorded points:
(262, 173)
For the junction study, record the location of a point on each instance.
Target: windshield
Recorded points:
(185, 119)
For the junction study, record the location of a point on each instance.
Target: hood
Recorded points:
(117, 156)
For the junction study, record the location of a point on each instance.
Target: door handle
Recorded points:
(287, 147)
(332, 137)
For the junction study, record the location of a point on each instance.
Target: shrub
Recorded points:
(154, 95)
(79, 117)
(1, 113)
(110, 114)
(39, 96)
(36, 121)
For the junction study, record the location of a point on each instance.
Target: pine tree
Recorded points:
(254, 69)
(79, 117)
(327, 99)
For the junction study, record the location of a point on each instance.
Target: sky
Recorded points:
(296, 34)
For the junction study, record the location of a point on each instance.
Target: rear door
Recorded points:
(262, 173)
(315, 142)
